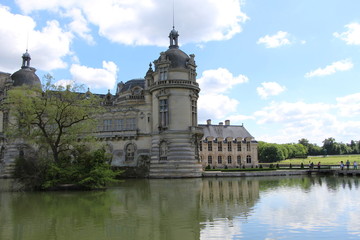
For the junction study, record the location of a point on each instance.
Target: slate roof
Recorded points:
(224, 131)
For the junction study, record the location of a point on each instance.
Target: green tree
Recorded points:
(270, 152)
(55, 117)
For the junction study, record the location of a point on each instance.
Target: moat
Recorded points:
(297, 207)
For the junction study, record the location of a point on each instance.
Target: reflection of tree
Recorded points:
(59, 215)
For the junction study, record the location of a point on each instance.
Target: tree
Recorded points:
(55, 117)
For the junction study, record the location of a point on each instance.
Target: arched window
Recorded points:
(130, 152)
(248, 159)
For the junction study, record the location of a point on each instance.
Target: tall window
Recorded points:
(163, 73)
(248, 159)
(164, 112)
(107, 125)
(130, 152)
(200, 146)
(209, 145)
(220, 146)
(248, 146)
(209, 159)
(229, 146)
(194, 112)
(219, 159)
(229, 160)
(239, 160)
(239, 146)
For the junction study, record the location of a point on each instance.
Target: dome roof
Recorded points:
(177, 58)
(26, 76)
(131, 84)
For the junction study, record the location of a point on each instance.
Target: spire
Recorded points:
(26, 60)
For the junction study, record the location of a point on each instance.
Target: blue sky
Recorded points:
(286, 69)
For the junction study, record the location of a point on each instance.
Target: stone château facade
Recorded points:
(151, 123)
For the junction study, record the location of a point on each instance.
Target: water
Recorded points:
(222, 208)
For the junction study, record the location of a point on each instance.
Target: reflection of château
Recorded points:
(228, 198)
(150, 124)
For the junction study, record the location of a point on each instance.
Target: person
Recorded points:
(342, 165)
(347, 164)
(312, 165)
(355, 165)
(319, 165)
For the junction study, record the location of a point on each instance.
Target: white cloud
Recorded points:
(314, 121)
(269, 89)
(281, 38)
(219, 80)
(79, 25)
(349, 105)
(145, 22)
(352, 35)
(95, 77)
(213, 102)
(13, 42)
(342, 65)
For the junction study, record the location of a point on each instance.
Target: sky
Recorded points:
(285, 69)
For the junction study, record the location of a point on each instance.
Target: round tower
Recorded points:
(174, 93)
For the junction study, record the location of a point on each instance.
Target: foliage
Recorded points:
(272, 152)
(82, 168)
(52, 117)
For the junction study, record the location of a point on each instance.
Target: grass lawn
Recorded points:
(328, 160)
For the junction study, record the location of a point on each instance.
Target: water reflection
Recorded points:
(223, 208)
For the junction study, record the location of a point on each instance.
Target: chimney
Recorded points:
(227, 122)
(208, 122)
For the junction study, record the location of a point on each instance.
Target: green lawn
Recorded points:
(328, 160)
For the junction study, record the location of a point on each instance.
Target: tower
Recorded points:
(174, 92)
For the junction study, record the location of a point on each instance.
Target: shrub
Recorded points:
(302, 165)
(208, 167)
(83, 168)
(277, 166)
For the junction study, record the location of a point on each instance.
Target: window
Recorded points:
(107, 125)
(130, 124)
(220, 146)
(248, 159)
(119, 124)
(194, 112)
(164, 112)
(239, 146)
(130, 152)
(248, 146)
(229, 146)
(239, 160)
(209, 145)
(219, 159)
(163, 74)
(229, 160)
(200, 146)
(163, 150)
(209, 159)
